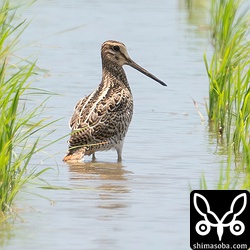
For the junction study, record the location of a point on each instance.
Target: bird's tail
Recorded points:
(74, 155)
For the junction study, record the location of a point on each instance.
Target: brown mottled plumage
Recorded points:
(101, 119)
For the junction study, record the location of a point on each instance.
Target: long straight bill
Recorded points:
(145, 72)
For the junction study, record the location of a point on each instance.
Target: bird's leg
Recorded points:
(119, 150)
(119, 159)
(93, 157)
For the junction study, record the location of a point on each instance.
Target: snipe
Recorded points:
(101, 119)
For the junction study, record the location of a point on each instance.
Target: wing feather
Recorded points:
(77, 110)
(102, 119)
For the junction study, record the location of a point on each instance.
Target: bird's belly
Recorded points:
(111, 143)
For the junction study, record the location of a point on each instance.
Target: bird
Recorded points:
(100, 120)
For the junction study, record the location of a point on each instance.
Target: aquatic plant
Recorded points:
(229, 74)
(229, 91)
(19, 124)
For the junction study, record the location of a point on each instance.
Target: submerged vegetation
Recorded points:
(229, 85)
(18, 123)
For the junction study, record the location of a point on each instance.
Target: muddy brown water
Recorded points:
(143, 202)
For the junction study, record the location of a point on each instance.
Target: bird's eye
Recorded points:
(116, 48)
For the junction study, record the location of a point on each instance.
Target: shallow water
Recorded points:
(142, 203)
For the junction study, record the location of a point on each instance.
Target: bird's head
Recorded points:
(116, 52)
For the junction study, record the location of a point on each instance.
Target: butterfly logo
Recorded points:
(203, 227)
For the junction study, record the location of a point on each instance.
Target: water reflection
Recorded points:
(5, 231)
(109, 179)
(197, 11)
(91, 170)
